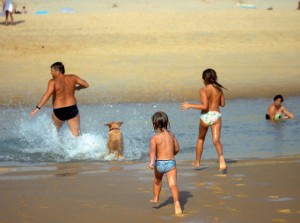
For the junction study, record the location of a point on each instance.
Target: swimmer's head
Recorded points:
(58, 66)
(160, 121)
(279, 96)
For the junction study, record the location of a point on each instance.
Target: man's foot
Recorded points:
(196, 164)
(178, 210)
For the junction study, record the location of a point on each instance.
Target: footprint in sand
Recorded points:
(285, 211)
(240, 185)
(279, 220)
(279, 199)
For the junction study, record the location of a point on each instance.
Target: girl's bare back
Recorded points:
(215, 97)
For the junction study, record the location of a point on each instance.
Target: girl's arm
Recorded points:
(202, 106)
(222, 101)
(287, 113)
(271, 111)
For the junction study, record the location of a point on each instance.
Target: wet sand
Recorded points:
(252, 191)
(140, 51)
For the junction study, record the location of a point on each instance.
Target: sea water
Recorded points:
(245, 132)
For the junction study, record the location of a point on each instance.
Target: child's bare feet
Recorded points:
(196, 164)
(178, 210)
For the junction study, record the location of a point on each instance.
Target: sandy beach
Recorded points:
(141, 51)
(252, 191)
(149, 51)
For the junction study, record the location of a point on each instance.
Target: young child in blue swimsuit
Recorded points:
(163, 148)
(212, 98)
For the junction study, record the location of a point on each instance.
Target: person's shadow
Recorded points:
(15, 23)
(183, 198)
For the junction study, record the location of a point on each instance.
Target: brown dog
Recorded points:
(115, 139)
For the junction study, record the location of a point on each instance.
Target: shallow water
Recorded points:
(245, 132)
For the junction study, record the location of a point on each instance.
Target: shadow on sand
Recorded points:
(183, 198)
(15, 23)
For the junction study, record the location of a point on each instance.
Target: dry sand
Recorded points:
(148, 51)
(251, 191)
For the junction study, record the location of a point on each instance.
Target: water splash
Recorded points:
(38, 140)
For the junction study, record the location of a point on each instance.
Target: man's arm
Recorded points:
(46, 96)
(81, 84)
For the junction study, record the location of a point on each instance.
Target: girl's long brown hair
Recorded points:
(210, 77)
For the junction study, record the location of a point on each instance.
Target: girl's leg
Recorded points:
(11, 18)
(172, 182)
(200, 141)
(156, 185)
(6, 17)
(216, 136)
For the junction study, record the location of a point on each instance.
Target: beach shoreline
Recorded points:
(252, 190)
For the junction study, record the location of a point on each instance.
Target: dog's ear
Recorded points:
(108, 124)
(120, 123)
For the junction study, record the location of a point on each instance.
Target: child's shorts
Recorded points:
(164, 166)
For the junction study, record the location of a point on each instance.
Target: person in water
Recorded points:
(276, 111)
(163, 148)
(211, 98)
(62, 89)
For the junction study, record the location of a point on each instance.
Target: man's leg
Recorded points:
(57, 123)
(74, 125)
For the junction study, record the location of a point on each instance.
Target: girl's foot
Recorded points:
(178, 210)
(196, 164)
(154, 201)
(222, 164)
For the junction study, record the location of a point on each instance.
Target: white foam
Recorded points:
(41, 137)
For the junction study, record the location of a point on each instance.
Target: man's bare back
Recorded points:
(64, 89)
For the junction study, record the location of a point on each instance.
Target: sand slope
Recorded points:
(146, 52)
